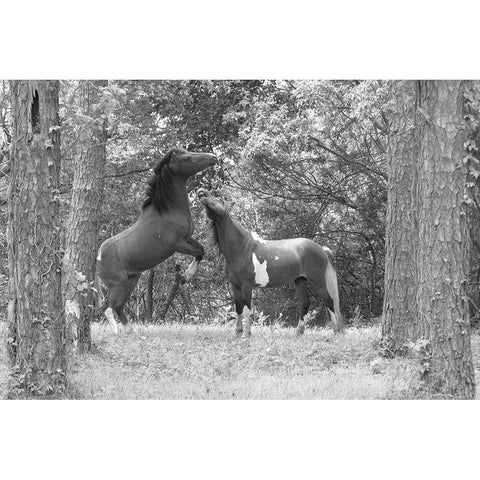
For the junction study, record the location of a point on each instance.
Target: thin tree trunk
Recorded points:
(443, 250)
(172, 294)
(36, 340)
(400, 312)
(82, 226)
(149, 296)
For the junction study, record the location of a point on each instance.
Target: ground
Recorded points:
(207, 362)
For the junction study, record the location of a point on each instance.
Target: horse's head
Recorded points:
(185, 163)
(215, 207)
(177, 163)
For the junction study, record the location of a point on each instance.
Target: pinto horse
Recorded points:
(164, 226)
(254, 262)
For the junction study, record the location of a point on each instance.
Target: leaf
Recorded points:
(79, 276)
(72, 308)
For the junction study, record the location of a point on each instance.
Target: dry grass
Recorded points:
(206, 362)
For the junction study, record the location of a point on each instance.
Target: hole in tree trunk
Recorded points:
(35, 113)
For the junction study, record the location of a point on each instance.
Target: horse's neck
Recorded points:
(181, 196)
(233, 238)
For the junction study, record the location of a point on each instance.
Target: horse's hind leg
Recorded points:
(110, 316)
(117, 296)
(128, 289)
(304, 302)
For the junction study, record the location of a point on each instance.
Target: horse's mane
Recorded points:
(212, 226)
(159, 190)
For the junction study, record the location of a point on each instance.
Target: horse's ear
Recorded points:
(163, 162)
(228, 204)
(168, 156)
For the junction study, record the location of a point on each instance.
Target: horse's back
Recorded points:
(296, 250)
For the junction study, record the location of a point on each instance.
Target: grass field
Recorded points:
(206, 362)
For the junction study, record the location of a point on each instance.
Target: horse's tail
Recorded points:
(332, 288)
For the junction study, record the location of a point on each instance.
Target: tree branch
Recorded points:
(129, 172)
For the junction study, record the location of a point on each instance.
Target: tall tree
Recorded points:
(427, 234)
(400, 312)
(82, 227)
(444, 242)
(36, 322)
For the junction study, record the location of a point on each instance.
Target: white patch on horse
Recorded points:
(111, 319)
(190, 272)
(258, 238)
(246, 320)
(261, 275)
(99, 257)
(276, 258)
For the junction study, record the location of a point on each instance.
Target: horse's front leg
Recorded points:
(238, 297)
(243, 307)
(190, 247)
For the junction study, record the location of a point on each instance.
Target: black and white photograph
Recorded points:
(270, 241)
(250, 239)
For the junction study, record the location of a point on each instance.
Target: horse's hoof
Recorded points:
(246, 335)
(300, 332)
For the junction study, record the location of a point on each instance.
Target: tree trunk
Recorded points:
(172, 294)
(400, 313)
(443, 248)
(82, 226)
(36, 340)
(149, 296)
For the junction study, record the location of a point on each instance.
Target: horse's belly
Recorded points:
(282, 275)
(277, 269)
(140, 253)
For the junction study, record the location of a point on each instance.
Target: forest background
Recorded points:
(297, 159)
(281, 144)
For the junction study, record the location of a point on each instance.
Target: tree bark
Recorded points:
(82, 227)
(444, 242)
(36, 340)
(400, 312)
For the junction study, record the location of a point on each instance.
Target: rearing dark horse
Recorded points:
(254, 262)
(165, 226)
